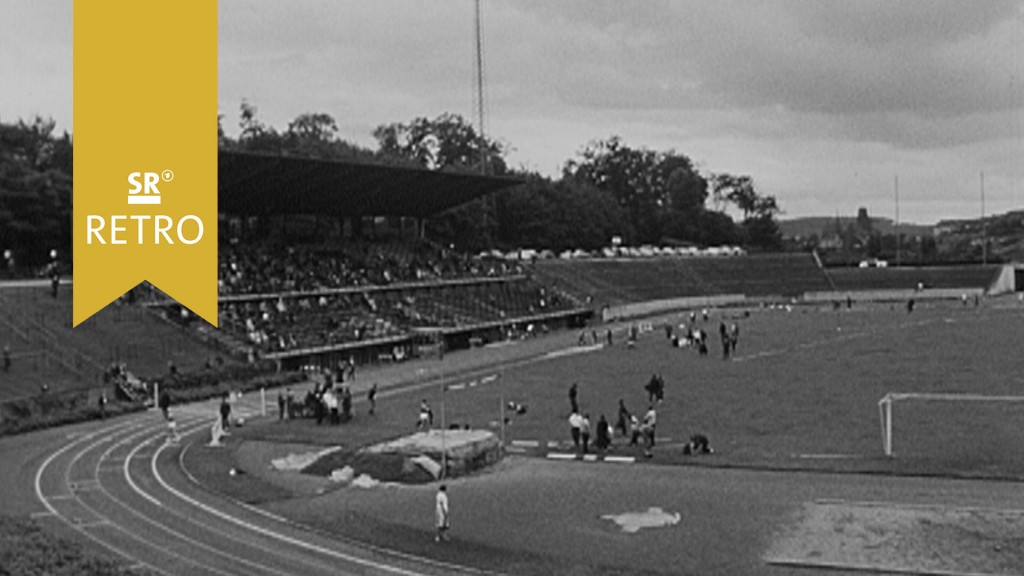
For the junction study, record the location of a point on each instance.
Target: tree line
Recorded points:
(610, 189)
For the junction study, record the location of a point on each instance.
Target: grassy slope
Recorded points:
(124, 333)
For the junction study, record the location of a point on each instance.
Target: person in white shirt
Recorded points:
(575, 423)
(442, 517)
(648, 427)
(585, 432)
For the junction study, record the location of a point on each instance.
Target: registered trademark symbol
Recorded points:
(167, 175)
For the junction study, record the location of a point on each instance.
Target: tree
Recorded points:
(558, 215)
(445, 142)
(255, 136)
(645, 183)
(35, 190)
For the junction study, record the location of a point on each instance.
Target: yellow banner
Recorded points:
(145, 130)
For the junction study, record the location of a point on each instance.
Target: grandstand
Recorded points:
(324, 260)
(611, 282)
(947, 277)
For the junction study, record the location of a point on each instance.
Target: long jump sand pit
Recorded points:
(881, 537)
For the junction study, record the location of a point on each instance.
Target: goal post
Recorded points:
(885, 408)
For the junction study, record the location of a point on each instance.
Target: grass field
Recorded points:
(802, 392)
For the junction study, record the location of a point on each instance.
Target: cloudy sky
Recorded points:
(823, 102)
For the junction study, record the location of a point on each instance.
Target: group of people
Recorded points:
(328, 400)
(730, 337)
(251, 268)
(629, 425)
(692, 336)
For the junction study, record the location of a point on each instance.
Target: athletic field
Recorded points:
(801, 391)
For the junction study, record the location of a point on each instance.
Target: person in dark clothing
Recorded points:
(623, 421)
(604, 437)
(346, 404)
(280, 405)
(164, 403)
(652, 388)
(724, 333)
(698, 444)
(371, 397)
(318, 404)
(573, 393)
(225, 412)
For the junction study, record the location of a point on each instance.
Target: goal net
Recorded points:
(964, 427)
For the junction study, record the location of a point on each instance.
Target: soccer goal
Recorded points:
(993, 414)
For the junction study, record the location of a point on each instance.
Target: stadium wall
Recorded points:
(892, 295)
(639, 309)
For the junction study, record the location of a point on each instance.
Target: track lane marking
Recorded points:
(276, 535)
(189, 429)
(52, 510)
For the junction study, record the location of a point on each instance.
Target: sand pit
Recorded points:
(913, 539)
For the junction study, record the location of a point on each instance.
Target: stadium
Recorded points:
(340, 291)
(433, 356)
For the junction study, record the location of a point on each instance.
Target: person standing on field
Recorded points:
(371, 397)
(441, 514)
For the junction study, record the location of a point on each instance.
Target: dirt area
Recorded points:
(926, 540)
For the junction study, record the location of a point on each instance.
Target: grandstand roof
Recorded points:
(256, 183)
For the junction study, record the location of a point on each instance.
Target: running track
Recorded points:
(122, 487)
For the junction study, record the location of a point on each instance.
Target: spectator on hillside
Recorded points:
(573, 392)
(103, 405)
(7, 358)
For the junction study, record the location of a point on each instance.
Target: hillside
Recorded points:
(814, 225)
(1004, 231)
(46, 350)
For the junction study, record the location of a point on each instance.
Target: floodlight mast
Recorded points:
(480, 90)
(896, 187)
(984, 228)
